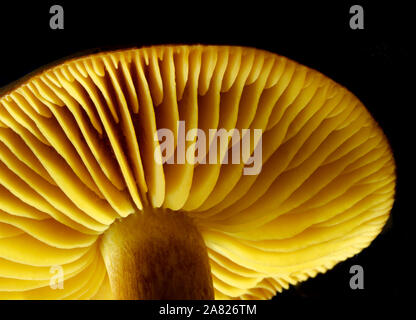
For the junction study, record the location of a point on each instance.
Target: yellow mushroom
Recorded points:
(81, 190)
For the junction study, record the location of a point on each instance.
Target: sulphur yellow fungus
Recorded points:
(80, 187)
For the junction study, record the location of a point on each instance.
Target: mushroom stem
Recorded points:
(157, 254)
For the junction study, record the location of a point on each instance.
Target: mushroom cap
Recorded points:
(76, 153)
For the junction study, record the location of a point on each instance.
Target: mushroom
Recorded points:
(81, 191)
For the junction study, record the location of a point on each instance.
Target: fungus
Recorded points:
(80, 188)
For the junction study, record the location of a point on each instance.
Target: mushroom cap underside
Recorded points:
(77, 153)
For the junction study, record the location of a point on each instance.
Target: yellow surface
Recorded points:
(76, 153)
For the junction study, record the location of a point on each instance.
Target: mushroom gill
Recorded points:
(78, 176)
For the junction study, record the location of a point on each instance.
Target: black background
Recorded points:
(375, 63)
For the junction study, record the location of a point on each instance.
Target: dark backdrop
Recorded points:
(375, 63)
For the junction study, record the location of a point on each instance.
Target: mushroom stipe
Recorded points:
(81, 192)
